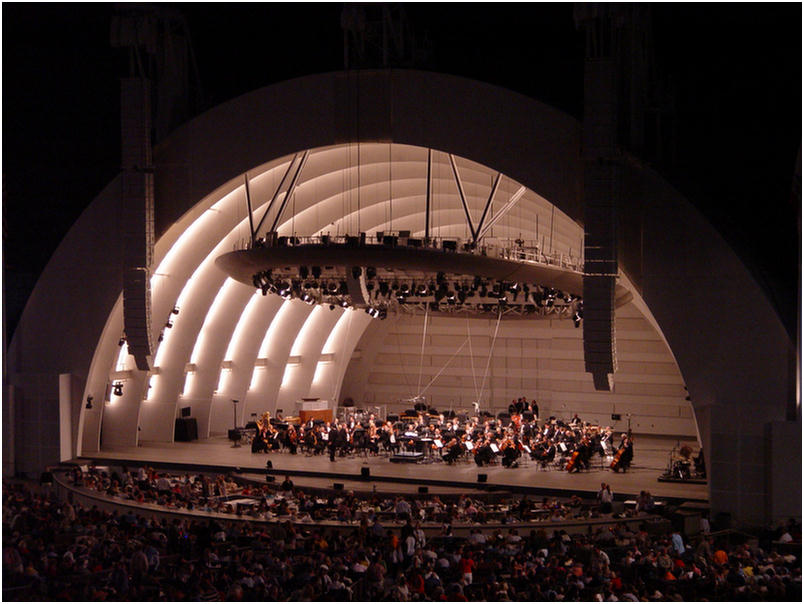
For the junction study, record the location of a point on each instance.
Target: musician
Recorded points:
(510, 451)
(483, 453)
(258, 445)
(625, 455)
(454, 450)
(291, 439)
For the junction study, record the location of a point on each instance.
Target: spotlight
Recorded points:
(405, 289)
(121, 341)
(117, 388)
(169, 325)
(175, 310)
(576, 319)
(89, 402)
(344, 303)
(161, 336)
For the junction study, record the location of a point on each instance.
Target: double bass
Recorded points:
(615, 463)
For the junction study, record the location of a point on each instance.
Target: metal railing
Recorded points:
(517, 250)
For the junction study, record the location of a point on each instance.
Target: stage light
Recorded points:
(175, 310)
(169, 325)
(89, 402)
(117, 388)
(121, 341)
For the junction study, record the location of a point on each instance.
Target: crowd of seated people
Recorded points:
(481, 438)
(227, 495)
(58, 550)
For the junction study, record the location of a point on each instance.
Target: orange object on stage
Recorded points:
(325, 414)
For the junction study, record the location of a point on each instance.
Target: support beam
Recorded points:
(276, 193)
(291, 188)
(506, 208)
(488, 205)
(250, 214)
(463, 197)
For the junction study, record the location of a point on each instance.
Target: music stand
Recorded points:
(236, 433)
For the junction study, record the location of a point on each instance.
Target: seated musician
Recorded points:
(483, 453)
(259, 444)
(311, 441)
(511, 453)
(454, 449)
(291, 440)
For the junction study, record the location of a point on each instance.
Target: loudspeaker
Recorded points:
(482, 477)
(338, 486)
(364, 472)
(423, 490)
(615, 416)
(270, 478)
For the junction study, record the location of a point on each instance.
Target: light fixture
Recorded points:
(175, 310)
(117, 388)
(89, 402)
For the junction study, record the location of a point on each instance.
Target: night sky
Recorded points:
(734, 71)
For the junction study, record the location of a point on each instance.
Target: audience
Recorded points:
(59, 550)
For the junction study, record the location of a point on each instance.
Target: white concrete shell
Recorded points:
(227, 342)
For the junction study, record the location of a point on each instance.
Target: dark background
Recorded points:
(733, 72)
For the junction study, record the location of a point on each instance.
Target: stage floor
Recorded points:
(217, 454)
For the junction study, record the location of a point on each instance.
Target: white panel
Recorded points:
(242, 351)
(276, 349)
(308, 345)
(210, 347)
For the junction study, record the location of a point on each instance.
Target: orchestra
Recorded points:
(481, 438)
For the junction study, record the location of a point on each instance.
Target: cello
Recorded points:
(573, 462)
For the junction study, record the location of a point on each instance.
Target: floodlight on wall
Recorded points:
(117, 388)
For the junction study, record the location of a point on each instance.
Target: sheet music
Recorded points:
(469, 446)
(563, 447)
(526, 449)
(393, 438)
(438, 443)
(494, 448)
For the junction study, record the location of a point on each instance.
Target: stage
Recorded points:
(218, 455)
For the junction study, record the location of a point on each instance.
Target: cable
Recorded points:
(491, 350)
(457, 352)
(421, 354)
